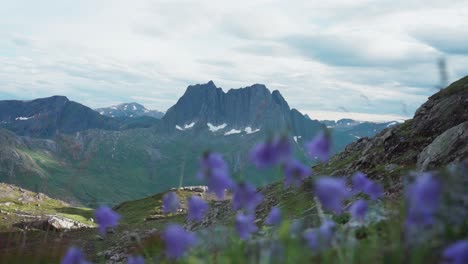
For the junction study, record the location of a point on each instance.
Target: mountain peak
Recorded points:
(132, 109)
(253, 107)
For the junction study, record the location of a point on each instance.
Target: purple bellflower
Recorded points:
(178, 241)
(456, 253)
(423, 198)
(74, 256)
(320, 146)
(274, 217)
(270, 153)
(135, 260)
(331, 192)
(106, 218)
(197, 208)
(171, 203)
(246, 197)
(295, 173)
(215, 172)
(358, 209)
(363, 184)
(245, 225)
(320, 238)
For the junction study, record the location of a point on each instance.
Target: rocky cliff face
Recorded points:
(254, 106)
(46, 117)
(435, 137)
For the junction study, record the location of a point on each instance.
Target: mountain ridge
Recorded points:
(132, 109)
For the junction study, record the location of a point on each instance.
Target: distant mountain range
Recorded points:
(53, 144)
(129, 110)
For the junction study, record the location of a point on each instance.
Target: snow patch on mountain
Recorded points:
(296, 138)
(22, 118)
(249, 130)
(186, 126)
(214, 128)
(232, 131)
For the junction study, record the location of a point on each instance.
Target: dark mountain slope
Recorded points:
(47, 117)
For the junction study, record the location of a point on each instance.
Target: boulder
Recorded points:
(450, 146)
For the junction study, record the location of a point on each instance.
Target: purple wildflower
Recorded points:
(197, 208)
(218, 182)
(246, 197)
(171, 203)
(456, 253)
(295, 173)
(270, 153)
(136, 260)
(320, 238)
(74, 256)
(359, 181)
(358, 209)
(213, 160)
(106, 218)
(423, 198)
(245, 225)
(178, 241)
(215, 171)
(319, 147)
(274, 217)
(331, 192)
(366, 185)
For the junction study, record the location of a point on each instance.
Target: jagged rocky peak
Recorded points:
(252, 106)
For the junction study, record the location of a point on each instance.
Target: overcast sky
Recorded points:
(363, 59)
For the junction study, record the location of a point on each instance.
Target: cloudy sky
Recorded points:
(364, 59)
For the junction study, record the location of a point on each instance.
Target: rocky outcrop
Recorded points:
(254, 106)
(52, 223)
(435, 137)
(450, 146)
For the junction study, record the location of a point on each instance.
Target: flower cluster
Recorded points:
(178, 240)
(171, 203)
(106, 218)
(331, 193)
(457, 253)
(423, 197)
(363, 184)
(245, 225)
(295, 173)
(214, 170)
(272, 152)
(320, 238)
(197, 208)
(320, 146)
(74, 256)
(274, 217)
(246, 197)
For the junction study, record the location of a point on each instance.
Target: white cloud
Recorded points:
(321, 55)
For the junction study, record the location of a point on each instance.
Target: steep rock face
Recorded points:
(451, 146)
(442, 111)
(254, 106)
(46, 117)
(435, 137)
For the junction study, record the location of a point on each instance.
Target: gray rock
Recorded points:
(450, 146)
